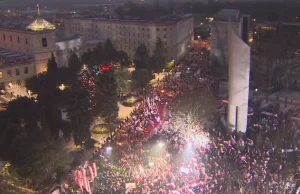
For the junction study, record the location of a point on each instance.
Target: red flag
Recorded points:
(91, 173)
(95, 169)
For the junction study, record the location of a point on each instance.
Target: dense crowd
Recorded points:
(154, 154)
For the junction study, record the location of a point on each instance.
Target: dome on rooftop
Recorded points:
(40, 24)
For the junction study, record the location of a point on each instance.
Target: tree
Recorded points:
(141, 58)
(158, 60)
(122, 78)
(89, 59)
(123, 59)
(25, 111)
(141, 78)
(107, 97)
(45, 86)
(52, 65)
(50, 161)
(74, 65)
(79, 115)
(110, 51)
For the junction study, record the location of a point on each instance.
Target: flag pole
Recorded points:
(38, 6)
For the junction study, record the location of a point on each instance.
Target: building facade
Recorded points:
(37, 44)
(176, 34)
(238, 83)
(24, 52)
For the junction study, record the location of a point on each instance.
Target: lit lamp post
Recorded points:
(62, 87)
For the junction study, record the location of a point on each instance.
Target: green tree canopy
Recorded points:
(158, 60)
(110, 51)
(79, 115)
(141, 58)
(107, 97)
(122, 78)
(25, 111)
(74, 64)
(123, 59)
(52, 65)
(141, 78)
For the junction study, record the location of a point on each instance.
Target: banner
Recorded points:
(129, 187)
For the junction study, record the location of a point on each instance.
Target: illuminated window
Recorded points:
(0, 74)
(25, 70)
(18, 82)
(9, 74)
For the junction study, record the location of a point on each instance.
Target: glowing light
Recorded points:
(62, 87)
(109, 149)
(161, 144)
(40, 24)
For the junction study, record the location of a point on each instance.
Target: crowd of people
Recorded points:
(151, 153)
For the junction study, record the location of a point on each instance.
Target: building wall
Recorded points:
(31, 43)
(128, 35)
(219, 39)
(25, 70)
(238, 85)
(65, 49)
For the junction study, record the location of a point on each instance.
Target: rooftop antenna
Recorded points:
(38, 7)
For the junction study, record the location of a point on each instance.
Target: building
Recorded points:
(238, 83)
(219, 31)
(176, 33)
(24, 51)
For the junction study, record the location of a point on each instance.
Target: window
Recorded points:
(18, 39)
(3, 36)
(17, 72)
(157, 29)
(10, 38)
(9, 74)
(0, 74)
(44, 42)
(26, 41)
(18, 82)
(26, 70)
(165, 29)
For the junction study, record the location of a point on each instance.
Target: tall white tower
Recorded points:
(238, 84)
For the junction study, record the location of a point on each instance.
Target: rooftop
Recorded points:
(40, 24)
(11, 58)
(226, 14)
(164, 19)
(61, 35)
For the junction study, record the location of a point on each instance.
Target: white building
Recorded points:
(176, 33)
(24, 52)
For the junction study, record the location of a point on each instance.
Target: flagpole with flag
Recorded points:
(38, 7)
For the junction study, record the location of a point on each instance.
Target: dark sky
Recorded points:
(50, 3)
